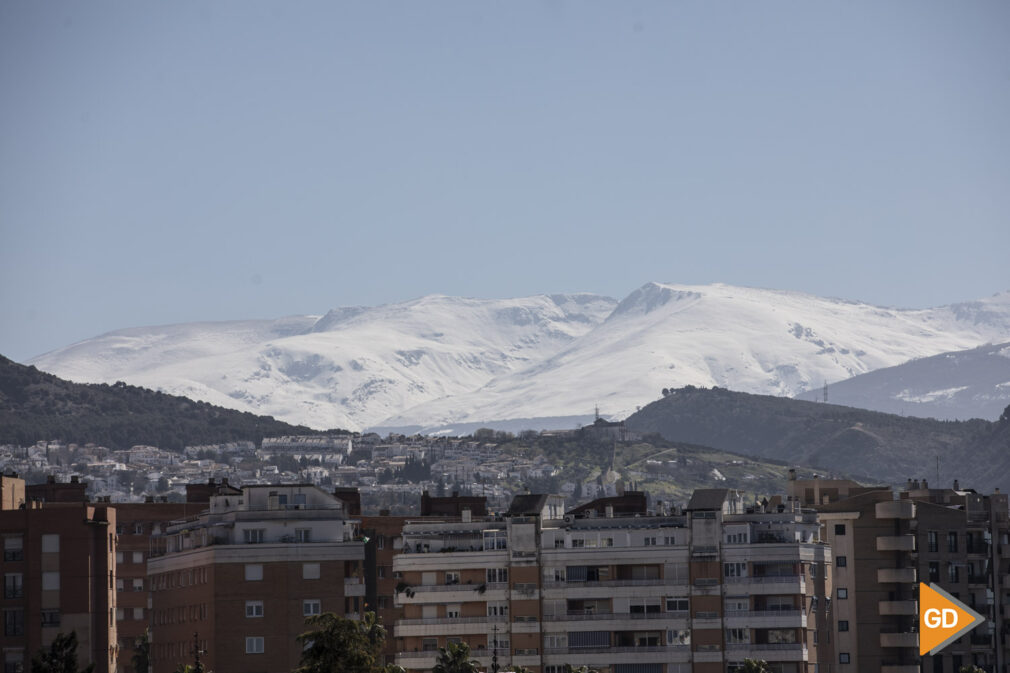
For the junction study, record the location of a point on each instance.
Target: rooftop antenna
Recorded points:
(597, 412)
(825, 391)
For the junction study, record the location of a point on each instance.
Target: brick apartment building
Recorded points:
(617, 589)
(885, 543)
(59, 576)
(244, 575)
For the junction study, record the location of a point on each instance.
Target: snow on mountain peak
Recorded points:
(441, 359)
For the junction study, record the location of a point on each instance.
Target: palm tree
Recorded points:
(455, 658)
(754, 666)
(335, 644)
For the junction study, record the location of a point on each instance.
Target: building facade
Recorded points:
(237, 581)
(59, 576)
(694, 590)
(885, 542)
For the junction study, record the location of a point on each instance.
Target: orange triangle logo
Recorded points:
(942, 619)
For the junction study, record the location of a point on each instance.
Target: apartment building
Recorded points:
(618, 588)
(885, 543)
(59, 576)
(245, 573)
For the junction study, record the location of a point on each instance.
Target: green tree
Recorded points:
(455, 658)
(754, 666)
(335, 644)
(61, 657)
(141, 659)
(579, 669)
(970, 669)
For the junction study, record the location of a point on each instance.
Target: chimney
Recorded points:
(792, 474)
(957, 485)
(609, 510)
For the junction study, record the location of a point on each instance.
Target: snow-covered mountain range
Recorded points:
(951, 386)
(441, 361)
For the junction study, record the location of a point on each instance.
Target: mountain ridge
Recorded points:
(440, 360)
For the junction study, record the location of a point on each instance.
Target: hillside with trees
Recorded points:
(38, 406)
(870, 445)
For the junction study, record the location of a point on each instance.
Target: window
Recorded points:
(933, 541)
(14, 622)
(303, 534)
(253, 535)
(839, 529)
(119, 557)
(452, 578)
(138, 529)
(934, 571)
(253, 572)
(498, 609)
(380, 541)
(813, 570)
(138, 613)
(578, 542)
(453, 611)
(734, 569)
(737, 635)
(310, 571)
(843, 657)
(843, 625)
(497, 575)
(138, 557)
(13, 585)
(51, 543)
(677, 605)
(50, 618)
(650, 542)
(13, 549)
(120, 614)
(312, 606)
(383, 602)
(841, 561)
(843, 593)
(952, 542)
(51, 581)
(952, 573)
(253, 609)
(429, 644)
(380, 572)
(254, 645)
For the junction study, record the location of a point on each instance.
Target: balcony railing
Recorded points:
(425, 621)
(617, 583)
(777, 579)
(599, 616)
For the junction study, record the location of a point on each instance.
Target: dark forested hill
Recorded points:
(867, 444)
(38, 406)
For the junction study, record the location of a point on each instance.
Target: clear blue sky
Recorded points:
(180, 161)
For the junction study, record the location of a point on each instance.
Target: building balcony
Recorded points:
(898, 575)
(609, 621)
(768, 651)
(788, 584)
(895, 509)
(607, 656)
(354, 586)
(449, 626)
(896, 543)
(759, 619)
(451, 593)
(899, 640)
(898, 607)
